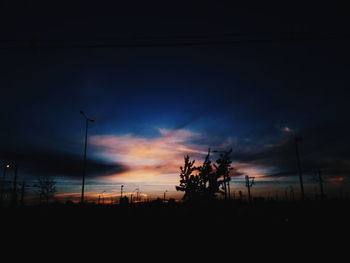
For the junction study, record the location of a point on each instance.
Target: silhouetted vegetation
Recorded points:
(124, 200)
(209, 181)
(46, 188)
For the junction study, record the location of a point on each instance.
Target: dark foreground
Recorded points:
(144, 223)
(179, 215)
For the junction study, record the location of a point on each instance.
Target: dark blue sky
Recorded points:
(253, 95)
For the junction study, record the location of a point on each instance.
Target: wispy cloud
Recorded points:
(43, 161)
(151, 160)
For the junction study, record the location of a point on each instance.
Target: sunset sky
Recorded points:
(155, 104)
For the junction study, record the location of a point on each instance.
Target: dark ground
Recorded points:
(230, 218)
(148, 231)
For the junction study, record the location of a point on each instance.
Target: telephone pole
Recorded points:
(320, 180)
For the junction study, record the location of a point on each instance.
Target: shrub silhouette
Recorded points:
(223, 168)
(188, 182)
(208, 182)
(46, 188)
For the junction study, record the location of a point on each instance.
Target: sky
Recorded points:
(180, 79)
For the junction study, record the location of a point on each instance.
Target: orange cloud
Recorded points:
(152, 160)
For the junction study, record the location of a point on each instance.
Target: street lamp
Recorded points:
(164, 195)
(14, 194)
(4, 172)
(87, 120)
(103, 198)
(297, 139)
(6, 166)
(15, 183)
(137, 194)
(121, 191)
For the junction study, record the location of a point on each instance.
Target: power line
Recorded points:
(171, 37)
(159, 41)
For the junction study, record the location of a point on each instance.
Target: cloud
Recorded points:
(148, 159)
(141, 151)
(323, 146)
(42, 161)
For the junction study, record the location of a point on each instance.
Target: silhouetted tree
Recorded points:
(46, 188)
(208, 182)
(223, 168)
(189, 183)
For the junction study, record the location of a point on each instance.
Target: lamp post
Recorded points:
(87, 120)
(14, 189)
(4, 173)
(15, 182)
(164, 195)
(121, 191)
(137, 194)
(297, 140)
(320, 181)
(6, 166)
(103, 198)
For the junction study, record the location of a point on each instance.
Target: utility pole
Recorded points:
(23, 185)
(249, 181)
(4, 172)
(292, 193)
(164, 196)
(103, 197)
(228, 188)
(297, 140)
(15, 185)
(121, 191)
(3, 182)
(137, 194)
(225, 187)
(320, 180)
(87, 120)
